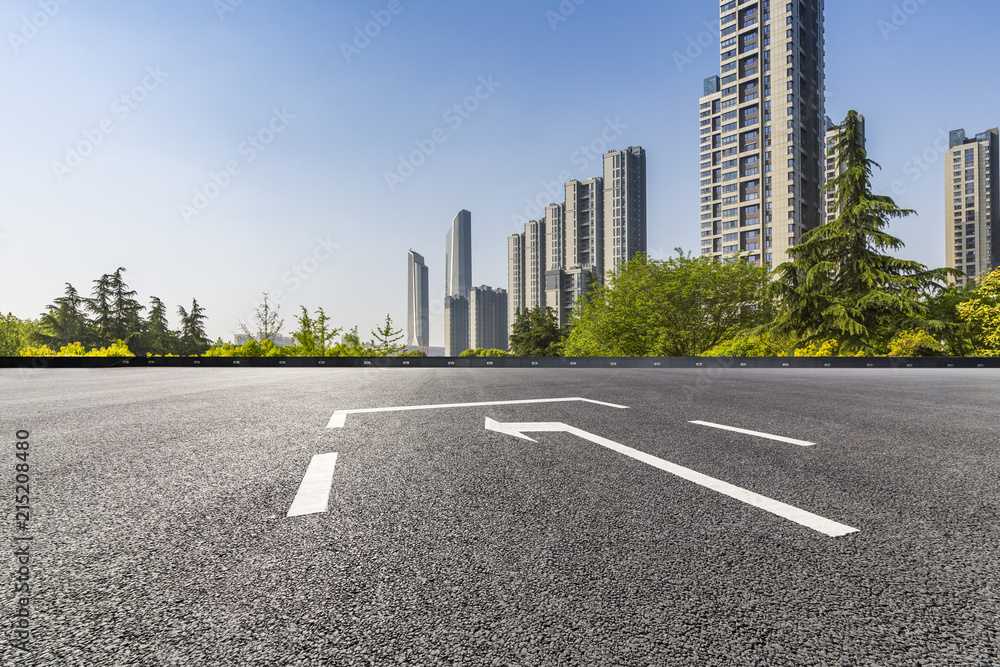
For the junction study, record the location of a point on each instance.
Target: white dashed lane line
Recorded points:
(314, 492)
(779, 438)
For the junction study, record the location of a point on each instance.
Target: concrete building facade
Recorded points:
(418, 335)
(456, 325)
(534, 264)
(624, 206)
(584, 224)
(458, 256)
(488, 308)
(458, 284)
(515, 278)
(762, 132)
(972, 204)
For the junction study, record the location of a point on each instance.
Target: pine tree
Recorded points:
(100, 305)
(839, 284)
(193, 338)
(156, 336)
(65, 321)
(536, 333)
(126, 320)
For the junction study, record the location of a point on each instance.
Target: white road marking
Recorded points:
(779, 438)
(314, 492)
(339, 417)
(801, 517)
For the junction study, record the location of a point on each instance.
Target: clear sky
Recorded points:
(214, 147)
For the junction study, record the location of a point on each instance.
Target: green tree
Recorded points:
(944, 322)
(65, 321)
(15, 335)
(385, 341)
(351, 346)
(193, 338)
(155, 336)
(126, 320)
(982, 314)
(536, 333)
(100, 306)
(315, 337)
(679, 307)
(839, 284)
(269, 323)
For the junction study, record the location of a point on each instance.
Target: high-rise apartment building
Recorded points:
(458, 256)
(417, 304)
(832, 170)
(563, 287)
(456, 325)
(584, 224)
(534, 264)
(624, 206)
(555, 236)
(515, 278)
(762, 132)
(972, 204)
(488, 313)
(601, 224)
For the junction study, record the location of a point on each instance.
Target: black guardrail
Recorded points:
(609, 363)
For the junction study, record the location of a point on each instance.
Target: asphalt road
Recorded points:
(159, 502)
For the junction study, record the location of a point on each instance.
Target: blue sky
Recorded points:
(220, 149)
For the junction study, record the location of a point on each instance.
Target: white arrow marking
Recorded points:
(339, 417)
(801, 517)
(779, 438)
(314, 492)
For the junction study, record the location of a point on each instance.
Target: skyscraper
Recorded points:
(458, 284)
(832, 212)
(624, 206)
(972, 204)
(762, 133)
(488, 315)
(458, 256)
(417, 304)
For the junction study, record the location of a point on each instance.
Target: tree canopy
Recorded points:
(679, 307)
(536, 333)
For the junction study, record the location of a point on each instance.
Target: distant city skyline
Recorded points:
(221, 156)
